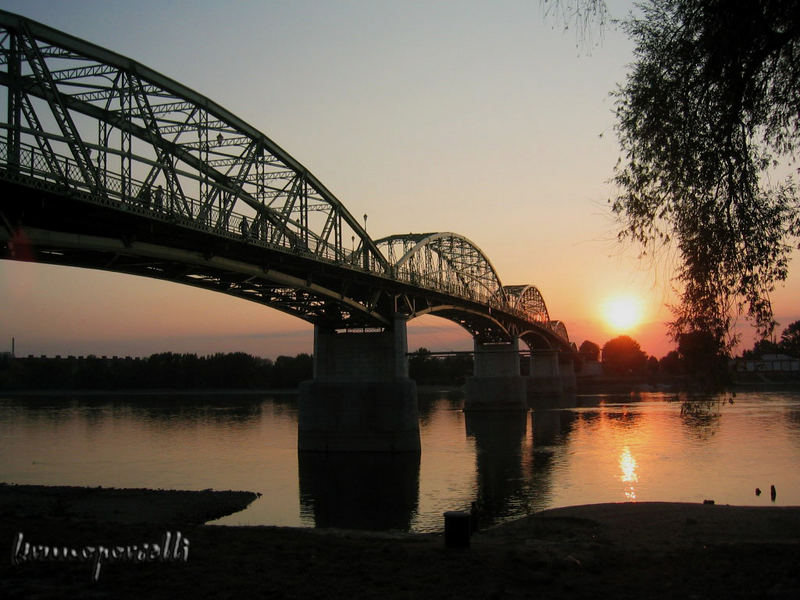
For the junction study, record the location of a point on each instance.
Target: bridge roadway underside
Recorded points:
(56, 229)
(49, 226)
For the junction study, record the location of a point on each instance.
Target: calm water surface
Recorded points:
(599, 448)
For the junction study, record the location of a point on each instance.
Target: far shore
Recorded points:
(626, 550)
(604, 384)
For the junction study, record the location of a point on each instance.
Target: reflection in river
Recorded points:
(499, 439)
(627, 465)
(598, 448)
(359, 490)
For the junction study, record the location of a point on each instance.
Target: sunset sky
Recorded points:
(481, 118)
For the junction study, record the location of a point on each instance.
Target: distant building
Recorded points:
(769, 363)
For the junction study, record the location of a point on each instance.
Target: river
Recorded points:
(593, 448)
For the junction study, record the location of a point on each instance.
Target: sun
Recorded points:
(623, 313)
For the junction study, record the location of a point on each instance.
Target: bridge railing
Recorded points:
(35, 168)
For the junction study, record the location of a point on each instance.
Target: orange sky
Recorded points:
(454, 116)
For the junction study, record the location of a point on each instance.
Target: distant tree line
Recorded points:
(173, 371)
(426, 369)
(696, 356)
(789, 344)
(166, 370)
(623, 356)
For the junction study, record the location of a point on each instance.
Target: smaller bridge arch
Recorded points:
(445, 262)
(528, 300)
(483, 328)
(560, 330)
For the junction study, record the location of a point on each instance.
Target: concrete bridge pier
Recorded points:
(566, 367)
(361, 398)
(496, 383)
(545, 380)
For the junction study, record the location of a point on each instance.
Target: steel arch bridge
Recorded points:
(107, 164)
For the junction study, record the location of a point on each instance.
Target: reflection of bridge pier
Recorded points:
(499, 439)
(361, 398)
(496, 383)
(359, 490)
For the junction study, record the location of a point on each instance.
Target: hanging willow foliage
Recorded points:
(708, 115)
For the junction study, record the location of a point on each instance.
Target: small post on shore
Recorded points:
(457, 526)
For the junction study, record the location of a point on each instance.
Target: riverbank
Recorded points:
(585, 386)
(653, 550)
(623, 384)
(149, 393)
(112, 505)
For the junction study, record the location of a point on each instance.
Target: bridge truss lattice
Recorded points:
(99, 123)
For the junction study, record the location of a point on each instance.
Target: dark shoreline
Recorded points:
(585, 386)
(629, 550)
(119, 505)
(150, 392)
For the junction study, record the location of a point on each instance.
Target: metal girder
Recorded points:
(79, 72)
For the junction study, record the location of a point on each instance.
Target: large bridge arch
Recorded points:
(122, 134)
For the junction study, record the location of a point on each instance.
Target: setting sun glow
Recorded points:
(622, 313)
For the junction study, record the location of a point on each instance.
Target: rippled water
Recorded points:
(599, 448)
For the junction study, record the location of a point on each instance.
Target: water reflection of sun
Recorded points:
(628, 466)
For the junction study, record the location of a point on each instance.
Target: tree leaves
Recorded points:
(711, 104)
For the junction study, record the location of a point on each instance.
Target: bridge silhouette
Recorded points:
(107, 164)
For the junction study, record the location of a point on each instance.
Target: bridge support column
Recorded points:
(496, 383)
(361, 399)
(566, 368)
(545, 378)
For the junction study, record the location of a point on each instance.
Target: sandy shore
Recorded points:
(642, 550)
(101, 505)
